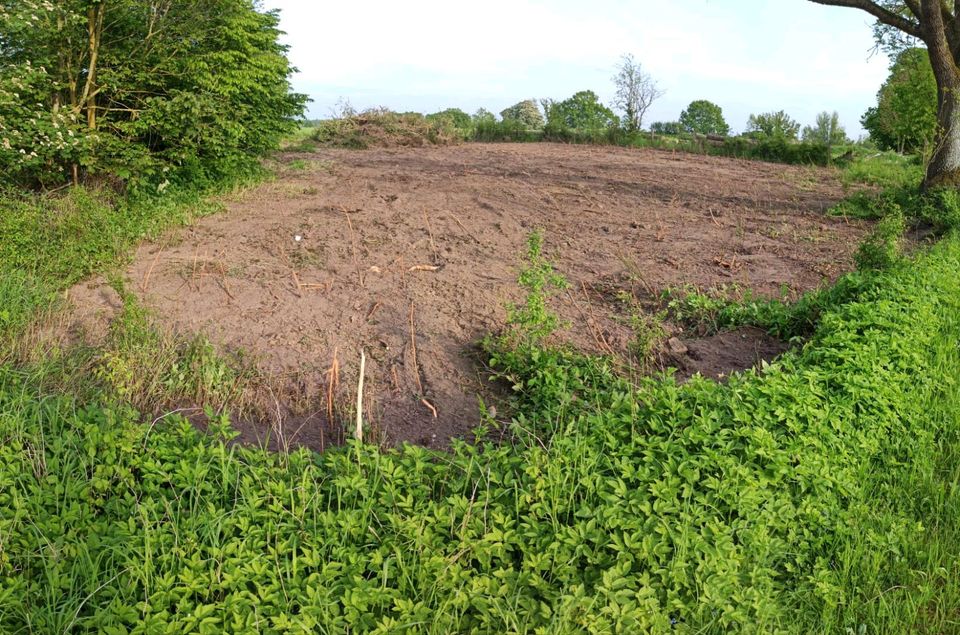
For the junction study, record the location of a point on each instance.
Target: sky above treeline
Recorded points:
(748, 56)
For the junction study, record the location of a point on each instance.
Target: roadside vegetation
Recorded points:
(817, 493)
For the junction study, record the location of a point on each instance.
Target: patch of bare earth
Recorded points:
(411, 254)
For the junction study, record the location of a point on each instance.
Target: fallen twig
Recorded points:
(424, 268)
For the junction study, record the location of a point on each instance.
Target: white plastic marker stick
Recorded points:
(358, 433)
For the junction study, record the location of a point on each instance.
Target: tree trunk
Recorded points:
(944, 167)
(94, 31)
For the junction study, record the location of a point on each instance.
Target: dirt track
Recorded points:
(434, 237)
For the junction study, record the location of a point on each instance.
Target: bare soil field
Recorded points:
(412, 254)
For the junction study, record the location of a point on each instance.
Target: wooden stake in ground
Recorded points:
(358, 433)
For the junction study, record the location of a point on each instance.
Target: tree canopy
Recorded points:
(144, 90)
(827, 130)
(636, 92)
(704, 117)
(582, 111)
(905, 117)
(773, 125)
(525, 112)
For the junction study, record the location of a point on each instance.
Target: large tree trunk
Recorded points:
(944, 167)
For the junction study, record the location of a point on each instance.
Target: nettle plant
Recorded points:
(532, 321)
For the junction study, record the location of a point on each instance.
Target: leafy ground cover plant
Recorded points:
(815, 495)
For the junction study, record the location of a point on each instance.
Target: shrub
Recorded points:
(383, 128)
(192, 93)
(881, 249)
(776, 149)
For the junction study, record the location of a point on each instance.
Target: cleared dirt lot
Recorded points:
(413, 253)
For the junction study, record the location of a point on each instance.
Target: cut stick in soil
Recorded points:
(333, 381)
(146, 278)
(430, 406)
(358, 433)
(413, 350)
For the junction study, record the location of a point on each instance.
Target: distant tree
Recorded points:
(666, 127)
(636, 92)
(525, 112)
(905, 117)
(582, 111)
(483, 116)
(773, 125)
(457, 117)
(827, 130)
(704, 117)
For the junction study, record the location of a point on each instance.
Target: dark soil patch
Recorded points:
(717, 356)
(411, 255)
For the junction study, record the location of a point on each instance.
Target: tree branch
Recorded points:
(883, 15)
(914, 6)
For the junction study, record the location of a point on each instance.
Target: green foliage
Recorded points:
(704, 117)
(35, 141)
(882, 169)
(532, 321)
(667, 127)
(483, 116)
(711, 312)
(936, 209)
(777, 149)
(815, 495)
(881, 249)
(456, 117)
(778, 126)
(141, 366)
(184, 92)
(383, 128)
(905, 117)
(827, 130)
(582, 111)
(525, 113)
(510, 130)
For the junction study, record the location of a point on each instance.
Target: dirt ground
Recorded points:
(411, 255)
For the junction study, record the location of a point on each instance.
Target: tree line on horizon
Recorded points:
(904, 118)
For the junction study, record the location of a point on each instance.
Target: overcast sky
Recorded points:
(746, 55)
